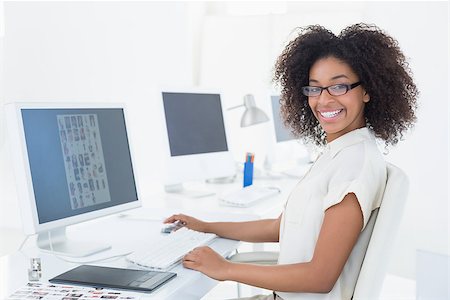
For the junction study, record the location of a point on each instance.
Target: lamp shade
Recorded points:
(252, 115)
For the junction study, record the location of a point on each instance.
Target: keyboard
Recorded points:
(248, 196)
(166, 252)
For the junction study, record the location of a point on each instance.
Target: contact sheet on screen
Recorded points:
(83, 159)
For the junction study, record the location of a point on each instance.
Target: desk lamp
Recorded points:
(252, 115)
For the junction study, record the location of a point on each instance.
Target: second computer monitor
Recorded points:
(196, 137)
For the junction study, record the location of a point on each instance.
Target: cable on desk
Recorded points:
(114, 257)
(21, 247)
(23, 242)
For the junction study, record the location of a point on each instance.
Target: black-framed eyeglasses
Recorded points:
(334, 90)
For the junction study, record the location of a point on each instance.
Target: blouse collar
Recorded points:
(353, 137)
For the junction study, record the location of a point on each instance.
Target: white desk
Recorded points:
(266, 208)
(134, 227)
(124, 235)
(131, 229)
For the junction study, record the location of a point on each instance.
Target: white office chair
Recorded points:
(386, 218)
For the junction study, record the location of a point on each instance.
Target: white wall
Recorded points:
(423, 33)
(239, 53)
(95, 51)
(102, 51)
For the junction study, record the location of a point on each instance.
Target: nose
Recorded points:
(325, 96)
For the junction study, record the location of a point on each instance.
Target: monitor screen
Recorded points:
(197, 147)
(281, 132)
(194, 123)
(77, 160)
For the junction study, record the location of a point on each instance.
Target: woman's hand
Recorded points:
(188, 221)
(207, 261)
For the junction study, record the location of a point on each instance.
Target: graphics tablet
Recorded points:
(97, 276)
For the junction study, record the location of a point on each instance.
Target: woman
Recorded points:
(341, 92)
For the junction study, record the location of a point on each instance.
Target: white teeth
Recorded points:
(330, 114)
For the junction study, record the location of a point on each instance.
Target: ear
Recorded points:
(366, 97)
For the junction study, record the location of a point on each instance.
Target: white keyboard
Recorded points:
(168, 251)
(248, 196)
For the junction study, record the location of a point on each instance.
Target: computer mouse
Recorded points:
(172, 227)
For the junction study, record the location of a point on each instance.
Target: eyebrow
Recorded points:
(332, 78)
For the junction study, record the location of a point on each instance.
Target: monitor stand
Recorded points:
(220, 180)
(179, 189)
(55, 241)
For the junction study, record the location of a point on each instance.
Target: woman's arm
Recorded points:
(340, 230)
(252, 231)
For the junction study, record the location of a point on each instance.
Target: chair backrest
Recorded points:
(376, 260)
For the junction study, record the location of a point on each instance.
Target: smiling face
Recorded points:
(337, 115)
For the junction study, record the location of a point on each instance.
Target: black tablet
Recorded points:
(96, 276)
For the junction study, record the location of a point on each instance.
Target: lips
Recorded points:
(330, 114)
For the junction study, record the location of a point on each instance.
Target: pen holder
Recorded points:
(248, 173)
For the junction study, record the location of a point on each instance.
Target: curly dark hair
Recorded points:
(377, 60)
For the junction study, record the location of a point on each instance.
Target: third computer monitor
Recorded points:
(287, 152)
(281, 132)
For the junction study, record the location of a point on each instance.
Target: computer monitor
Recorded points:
(196, 140)
(287, 152)
(72, 164)
(282, 133)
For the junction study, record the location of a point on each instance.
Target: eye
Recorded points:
(313, 89)
(338, 88)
